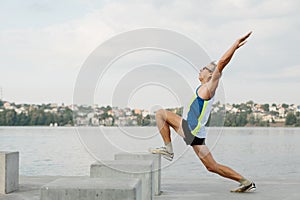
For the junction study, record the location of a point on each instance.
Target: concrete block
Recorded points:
(9, 172)
(124, 168)
(92, 189)
(156, 158)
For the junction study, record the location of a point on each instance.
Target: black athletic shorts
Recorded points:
(190, 139)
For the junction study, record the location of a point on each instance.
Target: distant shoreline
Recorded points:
(226, 127)
(249, 114)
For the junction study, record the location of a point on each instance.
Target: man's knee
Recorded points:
(160, 113)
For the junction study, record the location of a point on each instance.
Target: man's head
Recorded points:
(206, 72)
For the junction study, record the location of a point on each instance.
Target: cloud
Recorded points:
(285, 73)
(208, 23)
(62, 46)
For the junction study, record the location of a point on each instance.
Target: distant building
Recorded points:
(137, 111)
(128, 113)
(145, 113)
(73, 107)
(95, 121)
(267, 118)
(258, 115)
(258, 108)
(20, 110)
(109, 121)
(273, 108)
(110, 112)
(215, 109)
(100, 112)
(281, 112)
(235, 110)
(228, 107)
(47, 111)
(279, 120)
(90, 115)
(81, 121)
(293, 108)
(7, 106)
(117, 112)
(53, 105)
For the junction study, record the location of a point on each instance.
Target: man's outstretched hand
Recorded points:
(241, 41)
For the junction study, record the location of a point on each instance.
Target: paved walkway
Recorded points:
(218, 189)
(178, 188)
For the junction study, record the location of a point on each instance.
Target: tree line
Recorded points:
(36, 117)
(248, 119)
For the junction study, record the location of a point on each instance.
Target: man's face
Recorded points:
(204, 73)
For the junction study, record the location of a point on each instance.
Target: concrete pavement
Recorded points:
(180, 188)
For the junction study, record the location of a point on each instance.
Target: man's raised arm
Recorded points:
(213, 83)
(229, 53)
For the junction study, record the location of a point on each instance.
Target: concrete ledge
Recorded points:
(156, 158)
(127, 169)
(9, 172)
(92, 189)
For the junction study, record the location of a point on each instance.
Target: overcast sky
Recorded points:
(44, 43)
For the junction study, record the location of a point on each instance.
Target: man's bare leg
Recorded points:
(211, 165)
(207, 159)
(165, 119)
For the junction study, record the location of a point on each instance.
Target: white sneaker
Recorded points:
(245, 188)
(163, 151)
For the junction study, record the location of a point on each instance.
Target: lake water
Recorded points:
(69, 151)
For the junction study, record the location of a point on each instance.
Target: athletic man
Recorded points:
(192, 129)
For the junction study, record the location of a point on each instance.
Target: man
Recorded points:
(192, 129)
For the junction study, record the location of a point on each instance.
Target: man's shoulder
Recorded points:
(204, 93)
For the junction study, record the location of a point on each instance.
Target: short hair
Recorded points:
(211, 66)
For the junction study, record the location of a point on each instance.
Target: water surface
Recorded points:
(254, 152)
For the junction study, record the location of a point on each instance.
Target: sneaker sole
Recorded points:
(168, 158)
(250, 189)
(164, 154)
(156, 151)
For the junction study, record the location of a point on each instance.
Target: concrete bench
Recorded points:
(9, 172)
(141, 169)
(156, 158)
(92, 189)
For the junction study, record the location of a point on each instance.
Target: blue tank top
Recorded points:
(198, 114)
